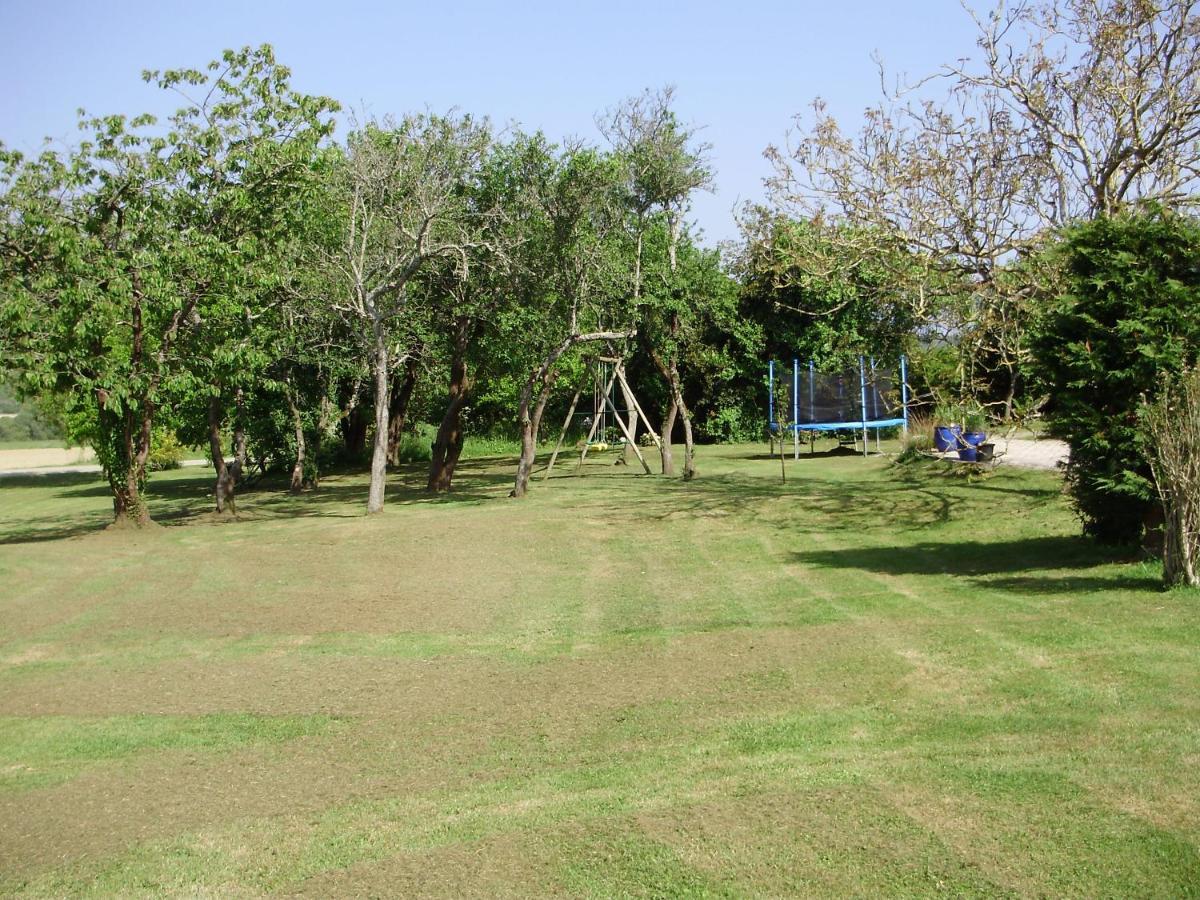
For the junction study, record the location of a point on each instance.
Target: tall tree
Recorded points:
(246, 153)
(1131, 315)
(664, 166)
(91, 311)
(569, 294)
(403, 191)
(475, 314)
(1109, 89)
(118, 253)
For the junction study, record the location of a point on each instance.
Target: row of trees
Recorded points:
(237, 277)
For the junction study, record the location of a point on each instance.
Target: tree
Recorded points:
(1131, 314)
(664, 166)
(1108, 89)
(403, 191)
(1172, 430)
(569, 277)
(116, 253)
(814, 303)
(245, 155)
(90, 310)
(475, 311)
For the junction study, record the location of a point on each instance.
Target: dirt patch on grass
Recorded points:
(508, 865)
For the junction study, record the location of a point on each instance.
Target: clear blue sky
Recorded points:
(741, 69)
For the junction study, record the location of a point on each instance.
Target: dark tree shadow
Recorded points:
(1017, 562)
(184, 497)
(807, 455)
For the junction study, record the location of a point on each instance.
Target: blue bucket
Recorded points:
(968, 445)
(945, 437)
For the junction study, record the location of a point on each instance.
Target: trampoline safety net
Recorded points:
(867, 395)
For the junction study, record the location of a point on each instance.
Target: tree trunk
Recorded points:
(689, 446)
(225, 490)
(631, 413)
(354, 432)
(1011, 395)
(297, 484)
(531, 422)
(447, 446)
(239, 433)
(128, 503)
(216, 416)
(669, 370)
(664, 449)
(401, 396)
(379, 453)
(129, 507)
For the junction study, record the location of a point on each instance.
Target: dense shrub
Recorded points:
(165, 451)
(1172, 427)
(1130, 314)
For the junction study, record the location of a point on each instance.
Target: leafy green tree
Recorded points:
(1131, 313)
(571, 277)
(403, 194)
(246, 155)
(814, 302)
(117, 255)
(664, 166)
(479, 310)
(92, 303)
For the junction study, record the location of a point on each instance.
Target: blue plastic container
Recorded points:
(946, 437)
(968, 445)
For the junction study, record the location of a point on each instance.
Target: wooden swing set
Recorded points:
(606, 373)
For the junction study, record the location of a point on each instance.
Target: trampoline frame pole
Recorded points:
(795, 408)
(875, 404)
(862, 381)
(770, 394)
(904, 390)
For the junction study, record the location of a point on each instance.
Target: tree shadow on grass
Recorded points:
(185, 498)
(52, 529)
(805, 505)
(1050, 564)
(806, 455)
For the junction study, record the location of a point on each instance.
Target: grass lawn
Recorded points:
(870, 680)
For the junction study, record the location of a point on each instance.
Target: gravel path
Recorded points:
(1043, 453)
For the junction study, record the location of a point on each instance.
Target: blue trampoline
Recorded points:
(854, 401)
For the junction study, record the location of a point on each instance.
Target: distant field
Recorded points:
(39, 454)
(869, 681)
(30, 445)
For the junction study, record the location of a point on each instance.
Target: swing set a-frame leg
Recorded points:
(562, 434)
(637, 406)
(628, 437)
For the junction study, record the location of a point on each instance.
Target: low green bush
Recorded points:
(166, 452)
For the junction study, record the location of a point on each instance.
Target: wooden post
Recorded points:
(782, 457)
(637, 406)
(562, 434)
(628, 437)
